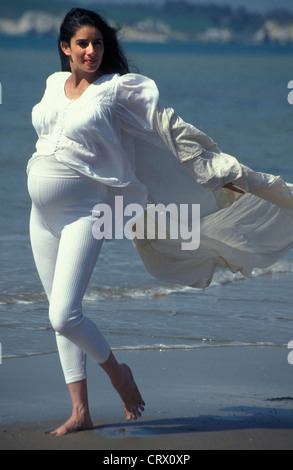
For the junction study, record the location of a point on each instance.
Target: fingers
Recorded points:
(234, 188)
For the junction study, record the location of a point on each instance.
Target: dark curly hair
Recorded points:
(114, 60)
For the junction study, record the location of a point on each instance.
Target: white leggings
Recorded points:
(65, 253)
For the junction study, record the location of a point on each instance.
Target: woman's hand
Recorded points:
(234, 188)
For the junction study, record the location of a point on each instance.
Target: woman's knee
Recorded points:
(63, 318)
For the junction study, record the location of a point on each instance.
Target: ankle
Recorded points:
(113, 369)
(80, 410)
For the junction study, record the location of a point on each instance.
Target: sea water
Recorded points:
(237, 94)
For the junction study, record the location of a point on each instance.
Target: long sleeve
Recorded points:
(209, 166)
(143, 116)
(136, 101)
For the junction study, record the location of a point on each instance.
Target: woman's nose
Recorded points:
(90, 49)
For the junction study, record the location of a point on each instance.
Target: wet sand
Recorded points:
(227, 398)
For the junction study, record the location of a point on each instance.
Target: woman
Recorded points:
(64, 249)
(102, 133)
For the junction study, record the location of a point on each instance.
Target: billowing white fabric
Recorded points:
(237, 232)
(120, 134)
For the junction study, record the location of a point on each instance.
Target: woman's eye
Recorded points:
(84, 44)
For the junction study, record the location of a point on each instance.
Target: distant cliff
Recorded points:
(173, 21)
(31, 23)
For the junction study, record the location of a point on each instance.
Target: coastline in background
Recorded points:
(153, 22)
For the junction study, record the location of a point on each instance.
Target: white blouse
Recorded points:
(94, 133)
(97, 134)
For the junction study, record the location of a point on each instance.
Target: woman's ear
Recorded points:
(65, 48)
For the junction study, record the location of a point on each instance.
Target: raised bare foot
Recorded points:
(129, 393)
(75, 423)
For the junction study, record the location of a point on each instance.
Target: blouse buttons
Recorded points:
(60, 125)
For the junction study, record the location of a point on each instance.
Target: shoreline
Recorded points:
(209, 398)
(157, 25)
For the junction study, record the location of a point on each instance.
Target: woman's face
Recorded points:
(85, 51)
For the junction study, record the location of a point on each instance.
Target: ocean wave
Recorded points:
(161, 348)
(147, 292)
(22, 299)
(201, 345)
(222, 277)
(106, 293)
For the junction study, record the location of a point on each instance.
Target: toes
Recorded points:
(131, 398)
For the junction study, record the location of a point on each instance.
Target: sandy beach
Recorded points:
(227, 398)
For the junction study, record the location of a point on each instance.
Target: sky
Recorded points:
(251, 5)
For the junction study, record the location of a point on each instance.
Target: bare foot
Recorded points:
(129, 393)
(77, 422)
